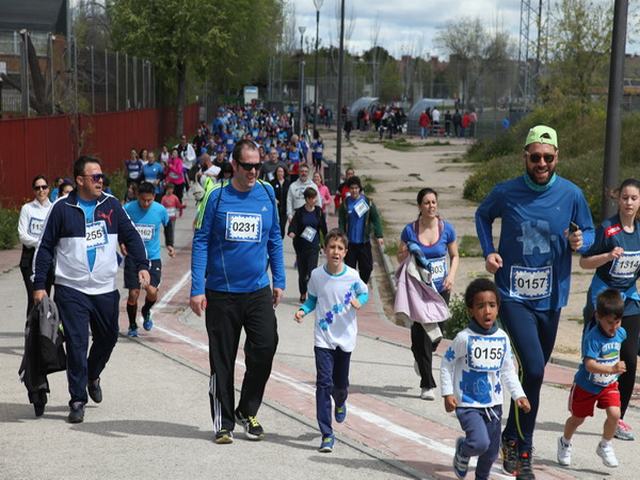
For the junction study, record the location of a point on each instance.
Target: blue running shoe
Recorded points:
(460, 462)
(340, 413)
(147, 324)
(133, 332)
(327, 444)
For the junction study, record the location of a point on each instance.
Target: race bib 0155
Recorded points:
(485, 354)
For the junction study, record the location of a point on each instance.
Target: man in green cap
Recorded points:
(544, 219)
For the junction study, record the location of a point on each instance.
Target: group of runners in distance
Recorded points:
(251, 176)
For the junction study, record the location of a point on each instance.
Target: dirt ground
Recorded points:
(397, 176)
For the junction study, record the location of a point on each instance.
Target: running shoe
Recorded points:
(460, 462)
(326, 446)
(564, 452)
(606, 453)
(252, 428)
(624, 431)
(525, 468)
(428, 394)
(76, 412)
(95, 390)
(133, 332)
(224, 436)
(509, 456)
(340, 413)
(147, 323)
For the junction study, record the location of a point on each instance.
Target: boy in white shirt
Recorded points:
(335, 291)
(472, 374)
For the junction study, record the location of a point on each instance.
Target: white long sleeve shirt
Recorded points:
(31, 221)
(476, 368)
(295, 197)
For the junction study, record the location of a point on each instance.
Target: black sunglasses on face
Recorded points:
(40, 187)
(96, 177)
(536, 157)
(249, 166)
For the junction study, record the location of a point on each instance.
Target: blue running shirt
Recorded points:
(148, 223)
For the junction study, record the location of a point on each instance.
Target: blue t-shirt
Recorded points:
(153, 171)
(148, 223)
(435, 253)
(318, 149)
(536, 255)
(622, 272)
(134, 169)
(605, 350)
(356, 219)
(88, 208)
(236, 234)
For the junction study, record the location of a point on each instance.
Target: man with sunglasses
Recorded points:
(544, 219)
(82, 233)
(237, 236)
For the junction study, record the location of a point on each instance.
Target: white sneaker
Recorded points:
(606, 453)
(564, 453)
(428, 394)
(416, 369)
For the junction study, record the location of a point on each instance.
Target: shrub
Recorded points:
(459, 317)
(118, 183)
(8, 228)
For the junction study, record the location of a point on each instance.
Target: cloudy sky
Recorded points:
(406, 24)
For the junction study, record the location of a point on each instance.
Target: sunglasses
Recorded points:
(536, 157)
(96, 177)
(249, 166)
(41, 187)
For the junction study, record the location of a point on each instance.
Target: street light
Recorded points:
(301, 30)
(318, 5)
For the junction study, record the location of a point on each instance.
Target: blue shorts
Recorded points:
(131, 274)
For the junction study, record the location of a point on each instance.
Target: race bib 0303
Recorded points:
(35, 226)
(146, 231)
(243, 227)
(438, 268)
(531, 283)
(309, 233)
(485, 354)
(626, 266)
(604, 379)
(96, 235)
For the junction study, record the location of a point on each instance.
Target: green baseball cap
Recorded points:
(542, 134)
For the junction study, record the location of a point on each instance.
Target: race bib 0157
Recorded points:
(531, 283)
(243, 227)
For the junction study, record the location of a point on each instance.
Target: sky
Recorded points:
(407, 25)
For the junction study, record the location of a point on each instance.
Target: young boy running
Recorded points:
(147, 217)
(596, 382)
(335, 291)
(474, 371)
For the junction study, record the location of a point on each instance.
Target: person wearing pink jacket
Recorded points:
(174, 173)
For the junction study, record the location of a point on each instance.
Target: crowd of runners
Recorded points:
(255, 182)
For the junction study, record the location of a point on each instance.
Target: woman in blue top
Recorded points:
(615, 254)
(435, 238)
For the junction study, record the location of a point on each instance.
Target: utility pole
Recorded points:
(614, 107)
(339, 107)
(301, 29)
(318, 5)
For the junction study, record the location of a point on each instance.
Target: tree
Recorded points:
(390, 81)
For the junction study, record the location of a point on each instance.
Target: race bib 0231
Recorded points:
(531, 283)
(485, 354)
(626, 266)
(146, 231)
(243, 227)
(96, 235)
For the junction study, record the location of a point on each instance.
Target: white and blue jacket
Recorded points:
(64, 238)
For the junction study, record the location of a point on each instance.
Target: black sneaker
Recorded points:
(94, 390)
(76, 412)
(39, 401)
(525, 469)
(224, 436)
(38, 407)
(252, 428)
(509, 456)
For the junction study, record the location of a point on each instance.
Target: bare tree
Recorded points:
(375, 67)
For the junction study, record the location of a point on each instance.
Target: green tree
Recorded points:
(174, 34)
(390, 81)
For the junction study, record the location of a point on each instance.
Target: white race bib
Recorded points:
(133, 174)
(361, 208)
(243, 227)
(438, 268)
(531, 283)
(309, 233)
(96, 235)
(146, 231)
(35, 226)
(626, 266)
(485, 354)
(604, 379)
(171, 211)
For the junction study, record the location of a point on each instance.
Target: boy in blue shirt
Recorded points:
(148, 216)
(596, 382)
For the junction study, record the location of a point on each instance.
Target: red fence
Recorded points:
(49, 145)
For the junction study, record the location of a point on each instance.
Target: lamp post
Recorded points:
(318, 5)
(301, 29)
(339, 107)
